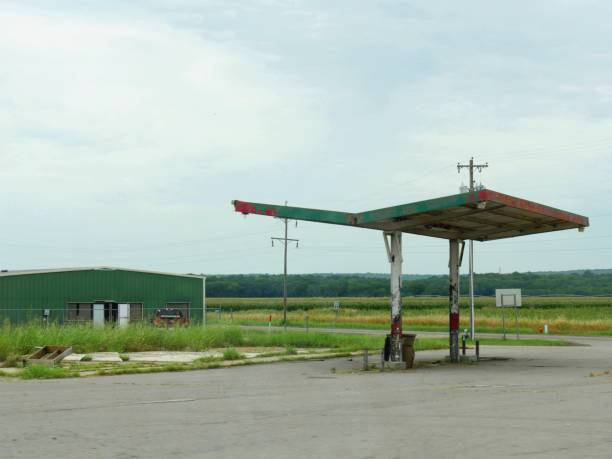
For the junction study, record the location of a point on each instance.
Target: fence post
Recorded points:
(306, 321)
(231, 314)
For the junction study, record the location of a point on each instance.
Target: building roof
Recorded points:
(21, 272)
(482, 215)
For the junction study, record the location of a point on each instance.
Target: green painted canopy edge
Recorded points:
(366, 218)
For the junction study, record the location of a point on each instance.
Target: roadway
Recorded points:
(433, 334)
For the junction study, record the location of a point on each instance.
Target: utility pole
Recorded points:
(285, 240)
(472, 188)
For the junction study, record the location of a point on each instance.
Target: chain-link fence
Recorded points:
(82, 313)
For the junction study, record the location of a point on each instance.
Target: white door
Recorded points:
(124, 314)
(98, 315)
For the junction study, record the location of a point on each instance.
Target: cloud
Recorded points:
(87, 98)
(131, 124)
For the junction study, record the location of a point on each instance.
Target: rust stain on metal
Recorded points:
(523, 204)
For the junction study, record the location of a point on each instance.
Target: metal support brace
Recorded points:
(453, 299)
(393, 243)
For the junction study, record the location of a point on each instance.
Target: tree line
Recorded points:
(338, 285)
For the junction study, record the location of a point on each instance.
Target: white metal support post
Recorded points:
(472, 330)
(393, 244)
(453, 299)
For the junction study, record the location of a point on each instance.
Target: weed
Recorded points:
(45, 372)
(232, 354)
(87, 358)
(124, 357)
(290, 350)
(12, 360)
(208, 359)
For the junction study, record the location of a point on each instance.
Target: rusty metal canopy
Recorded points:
(482, 215)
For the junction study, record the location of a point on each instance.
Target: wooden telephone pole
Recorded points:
(471, 166)
(285, 240)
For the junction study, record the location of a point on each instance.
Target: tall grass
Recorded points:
(45, 372)
(85, 339)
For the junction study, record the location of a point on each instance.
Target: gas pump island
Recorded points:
(483, 215)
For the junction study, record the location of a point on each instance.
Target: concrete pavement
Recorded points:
(543, 402)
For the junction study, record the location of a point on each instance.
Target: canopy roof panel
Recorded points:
(482, 215)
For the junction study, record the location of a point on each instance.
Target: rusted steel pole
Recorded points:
(453, 299)
(393, 243)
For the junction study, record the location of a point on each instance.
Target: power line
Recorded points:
(132, 248)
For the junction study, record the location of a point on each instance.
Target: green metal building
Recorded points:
(101, 295)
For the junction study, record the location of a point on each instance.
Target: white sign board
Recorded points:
(508, 298)
(336, 305)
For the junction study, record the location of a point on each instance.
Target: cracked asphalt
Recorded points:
(530, 401)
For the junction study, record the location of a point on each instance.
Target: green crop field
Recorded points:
(563, 315)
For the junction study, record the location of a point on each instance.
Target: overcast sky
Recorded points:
(126, 128)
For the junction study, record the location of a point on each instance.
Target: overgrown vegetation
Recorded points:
(45, 372)
(20, 340)
(290, 350)
(232, 354)
(12, 360)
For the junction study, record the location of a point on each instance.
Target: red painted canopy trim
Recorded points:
(523, 204)
(249, 208)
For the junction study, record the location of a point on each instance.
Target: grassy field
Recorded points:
(20, 340)
(563, 315)
(421, 302)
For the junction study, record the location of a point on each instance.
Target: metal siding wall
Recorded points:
(24, 297)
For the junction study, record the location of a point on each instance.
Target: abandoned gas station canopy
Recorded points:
(482, 215)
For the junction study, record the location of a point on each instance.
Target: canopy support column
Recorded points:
(453, 299)
(393, 243)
